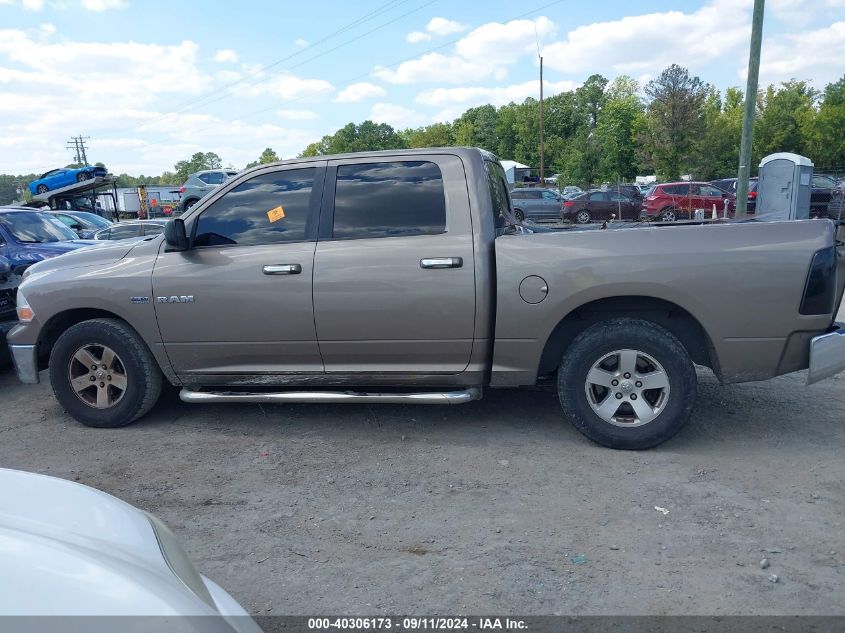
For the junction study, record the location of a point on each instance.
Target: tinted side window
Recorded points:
(266, 209)
(518, 194)
(389, 199)
(204, 177)
(153, 229)
(549, 195)
(496, 181)
(598, 197)
(216, 178)
(122, 232)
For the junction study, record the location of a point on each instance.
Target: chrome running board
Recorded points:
(333, 397)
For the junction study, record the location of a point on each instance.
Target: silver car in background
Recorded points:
(536, 204)
(200, 184)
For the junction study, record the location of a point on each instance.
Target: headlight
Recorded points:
(25, 313)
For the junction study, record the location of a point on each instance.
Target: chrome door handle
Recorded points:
(442, 262)
(282, 269)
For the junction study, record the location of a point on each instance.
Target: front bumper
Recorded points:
(827, 354)
(25, 358)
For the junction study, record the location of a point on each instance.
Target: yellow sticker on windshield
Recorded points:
(274, 215)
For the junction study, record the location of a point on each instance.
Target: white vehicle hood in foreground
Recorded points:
(67, 549)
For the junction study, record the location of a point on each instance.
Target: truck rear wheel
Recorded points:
(627, 384)
(103, 374)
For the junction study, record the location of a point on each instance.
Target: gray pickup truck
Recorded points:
(405, 277)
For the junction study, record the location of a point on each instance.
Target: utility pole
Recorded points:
(750, 106)
(77, 143)
(542, 150)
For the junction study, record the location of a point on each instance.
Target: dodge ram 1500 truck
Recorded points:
(404, 277)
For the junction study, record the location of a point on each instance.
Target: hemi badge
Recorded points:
(139, 299)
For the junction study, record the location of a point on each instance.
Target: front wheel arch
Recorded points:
(59, 323)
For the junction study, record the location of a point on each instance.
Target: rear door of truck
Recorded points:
(394, 283)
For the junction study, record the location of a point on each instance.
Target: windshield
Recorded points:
(35, 228)
(92, 219)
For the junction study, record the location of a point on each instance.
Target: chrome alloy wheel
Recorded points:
(627, 388)
(97, 376)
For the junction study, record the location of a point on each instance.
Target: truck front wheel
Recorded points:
(627, 384)
(103, 374)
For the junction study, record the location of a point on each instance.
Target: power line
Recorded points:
(77, 143)
(361, 76)
(367, 74)
(311, 59)
(190, 104)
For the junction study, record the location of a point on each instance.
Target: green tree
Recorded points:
(616, 137)
(367, 136)
(267, 156)
(197, 162)
(717, 153)
(676, 120)
(826, 145)
(435, 135)
(477, 128)
(786, 119)
(591, 98)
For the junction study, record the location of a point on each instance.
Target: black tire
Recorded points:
(643, 217)
(142, 373)
(82, 176)
(519, 214)
(41, 189)
(583, 217)
(603, 339)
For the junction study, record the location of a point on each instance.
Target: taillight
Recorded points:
(820, 289)
(568, 203)
(182, 189)
(752, 194)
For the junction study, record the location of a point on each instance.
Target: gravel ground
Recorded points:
(494, 506)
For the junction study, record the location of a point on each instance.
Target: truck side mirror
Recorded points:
(175, 236)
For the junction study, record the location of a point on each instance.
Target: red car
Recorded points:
(678, 200)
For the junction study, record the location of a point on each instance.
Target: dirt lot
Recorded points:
(306, 509)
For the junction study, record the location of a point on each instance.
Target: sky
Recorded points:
(151, 82)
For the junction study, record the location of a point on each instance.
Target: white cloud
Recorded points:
(442, 26)
(396, 115)
(815, 54)
(359, 92)
(301, 42)
(128, 71)
(288, 87)
(103, 5)
(226, 55)
(648, 43)
(298, 115)
(33, 5)
(415, 37)
(470, 96)
(484, 52)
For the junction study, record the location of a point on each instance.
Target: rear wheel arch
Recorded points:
(680, 322)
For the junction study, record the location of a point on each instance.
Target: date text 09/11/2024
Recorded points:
(418, 623)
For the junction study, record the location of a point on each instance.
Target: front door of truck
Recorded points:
(394, 282)
(238, 302)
